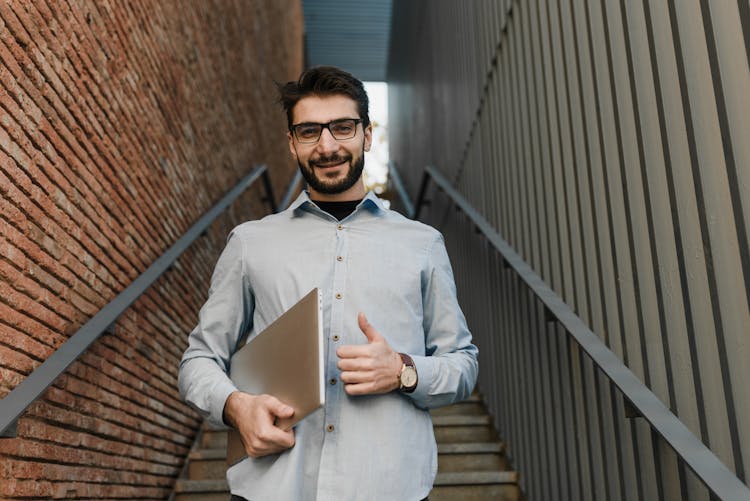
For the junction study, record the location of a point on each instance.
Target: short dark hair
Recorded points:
(324, 81)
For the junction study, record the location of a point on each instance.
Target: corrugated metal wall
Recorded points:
(609, 143)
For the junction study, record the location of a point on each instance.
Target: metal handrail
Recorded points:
(699, 458)
(394, 176)
(287, 198)
(30, 389)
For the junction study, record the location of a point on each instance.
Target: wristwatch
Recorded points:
(407, 378)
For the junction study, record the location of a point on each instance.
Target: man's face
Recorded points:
(330, 166)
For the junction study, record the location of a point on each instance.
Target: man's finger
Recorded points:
(353, 377)
(283, 439)
(354, 351)
(369, 331)
(279, 408)
(354, 364)
(359, 388)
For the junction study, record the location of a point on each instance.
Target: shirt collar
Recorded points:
(370, 201)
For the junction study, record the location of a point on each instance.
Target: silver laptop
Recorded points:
(286, 361)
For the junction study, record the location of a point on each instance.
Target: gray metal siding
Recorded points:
(608, 143)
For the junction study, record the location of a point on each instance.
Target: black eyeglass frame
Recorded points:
(356, 121)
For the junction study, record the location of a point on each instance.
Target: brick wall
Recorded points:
(121, 123)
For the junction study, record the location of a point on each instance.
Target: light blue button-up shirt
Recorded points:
(397, 272)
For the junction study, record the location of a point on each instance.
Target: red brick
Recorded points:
(114, 138)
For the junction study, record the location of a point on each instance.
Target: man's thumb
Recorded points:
(281, 410)
(369, 331)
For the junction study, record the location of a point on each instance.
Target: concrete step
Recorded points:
(471, 462)
(462, 420)
(452, 428)
(466, 407)
(471, 433)
(214, 439)
(203, 496)
(201, 490)
(476, 477)
(207, 464)
(476, 486)
(496, 492)
(472, 447)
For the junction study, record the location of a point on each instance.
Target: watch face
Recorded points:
(408, 377)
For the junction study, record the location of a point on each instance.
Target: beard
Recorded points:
(321, 185)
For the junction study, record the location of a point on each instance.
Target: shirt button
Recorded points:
(339, 258)
(336, 337)
(332, 381)
(329, 428)
(340, 227)
(338, 295)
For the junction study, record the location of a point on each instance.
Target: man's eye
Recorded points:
(345, 128)
(308, 131)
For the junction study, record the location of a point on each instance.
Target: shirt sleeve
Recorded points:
(227, 314)
(448, 371)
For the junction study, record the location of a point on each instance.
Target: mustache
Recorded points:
(331, 159)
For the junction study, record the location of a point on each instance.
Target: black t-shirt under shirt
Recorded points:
(339, 210)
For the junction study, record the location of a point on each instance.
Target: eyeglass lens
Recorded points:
(345, 128)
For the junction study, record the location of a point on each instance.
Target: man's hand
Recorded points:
(370, 368)
(254, 416)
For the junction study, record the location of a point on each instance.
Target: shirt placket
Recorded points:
(327, 487)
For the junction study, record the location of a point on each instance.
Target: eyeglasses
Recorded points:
(341, 129)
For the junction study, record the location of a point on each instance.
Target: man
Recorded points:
(396, 340)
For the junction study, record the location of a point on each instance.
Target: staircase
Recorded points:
(472, 465)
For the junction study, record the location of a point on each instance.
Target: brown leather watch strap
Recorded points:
(407, 360)
(408, 364)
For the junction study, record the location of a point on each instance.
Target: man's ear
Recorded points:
(368, 136)
(291, 144)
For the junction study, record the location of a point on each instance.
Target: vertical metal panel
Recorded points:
(566, 468)
(577, 487)
(728, 293)
(548, 410)
(610, 439)
(607, 142)
(579, 410)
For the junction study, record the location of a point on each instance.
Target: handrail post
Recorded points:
(269, 191)
(287, 199)
(395, 177)
(422, 190)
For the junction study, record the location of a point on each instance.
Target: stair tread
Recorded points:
(213, 453)
(461, 420)
(471, 447)
(211, 427)
(184, 485)
(476, 477)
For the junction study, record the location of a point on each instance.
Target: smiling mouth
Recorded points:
(328, 165)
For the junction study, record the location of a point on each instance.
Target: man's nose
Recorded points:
(327, 143)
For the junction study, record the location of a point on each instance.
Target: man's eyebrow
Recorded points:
(328, 122)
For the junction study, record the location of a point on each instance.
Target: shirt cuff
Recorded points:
(426, 367)
(218, 397)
